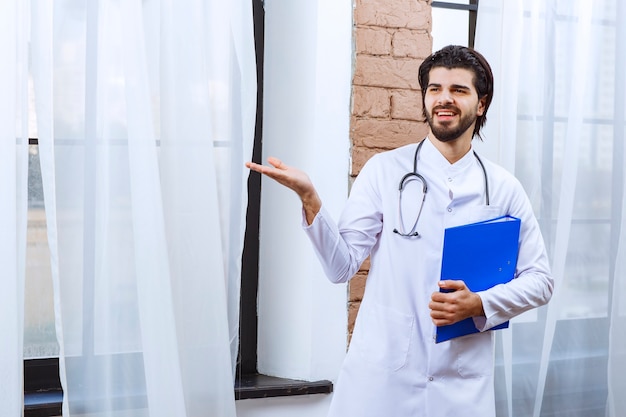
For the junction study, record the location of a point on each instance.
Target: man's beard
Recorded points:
(450, 133)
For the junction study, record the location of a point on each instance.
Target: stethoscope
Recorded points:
(415, 175)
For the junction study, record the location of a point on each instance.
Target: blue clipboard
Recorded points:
(483, 255)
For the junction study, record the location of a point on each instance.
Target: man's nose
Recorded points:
(444, 97)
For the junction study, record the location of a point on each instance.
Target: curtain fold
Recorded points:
(558, 116)
(616, 403)
(146, 114)
(13, 204)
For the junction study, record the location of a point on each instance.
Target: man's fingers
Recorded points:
(276, 163)
(272, 170)
(452, 285)
(263, 169)
(254, 166)
(286, 175)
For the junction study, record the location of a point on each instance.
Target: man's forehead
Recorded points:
(461, 76)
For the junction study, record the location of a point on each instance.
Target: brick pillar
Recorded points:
(392, 39)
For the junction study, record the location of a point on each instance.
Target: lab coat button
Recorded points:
(430, 378)
(449, 179)
(449, 209)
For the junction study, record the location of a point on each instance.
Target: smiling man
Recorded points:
(398, 209)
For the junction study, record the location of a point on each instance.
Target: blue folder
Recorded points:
(483, 255)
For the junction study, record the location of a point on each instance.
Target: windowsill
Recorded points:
(43, 403)
(48, 403)
(263, 386)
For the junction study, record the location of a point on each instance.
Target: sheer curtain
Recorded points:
(146, 115)
(13, 200)
(558, 120)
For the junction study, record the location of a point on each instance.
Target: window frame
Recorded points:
(472, 8)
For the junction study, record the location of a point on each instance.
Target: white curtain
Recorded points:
(13, 198)
(558, 119)
(145, 113)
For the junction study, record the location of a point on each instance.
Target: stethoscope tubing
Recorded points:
(425, 185)
(414, 173)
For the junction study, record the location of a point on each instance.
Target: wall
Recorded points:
(308, 66)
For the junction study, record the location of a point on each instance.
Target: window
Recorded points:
(454, 23)
(43, 394)
(568, 154)
(42, 386)
(249, 383)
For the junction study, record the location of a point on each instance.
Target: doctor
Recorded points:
(397, 211)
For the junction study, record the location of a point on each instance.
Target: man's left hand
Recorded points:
(454, 305)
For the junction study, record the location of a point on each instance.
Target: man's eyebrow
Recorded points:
(454, 86)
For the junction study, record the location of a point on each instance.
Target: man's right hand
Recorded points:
(294, 179)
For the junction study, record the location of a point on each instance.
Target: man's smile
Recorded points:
(445, 114)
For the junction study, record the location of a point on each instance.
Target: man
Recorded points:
(394, 367)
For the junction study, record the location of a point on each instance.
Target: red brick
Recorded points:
(360, 155)
(357, 286)
(383, 134)
(412, 14)
(365, 266)
(353, 311)
(411, 43)
(373, 41)
(406, 105)
(371, 102)
(376, 71)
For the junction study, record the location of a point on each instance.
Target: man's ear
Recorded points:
(482, 103)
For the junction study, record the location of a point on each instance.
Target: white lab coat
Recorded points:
(393, 367)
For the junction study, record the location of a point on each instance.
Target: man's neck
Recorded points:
(455, 149)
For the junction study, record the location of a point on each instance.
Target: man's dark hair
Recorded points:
(454, 56)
